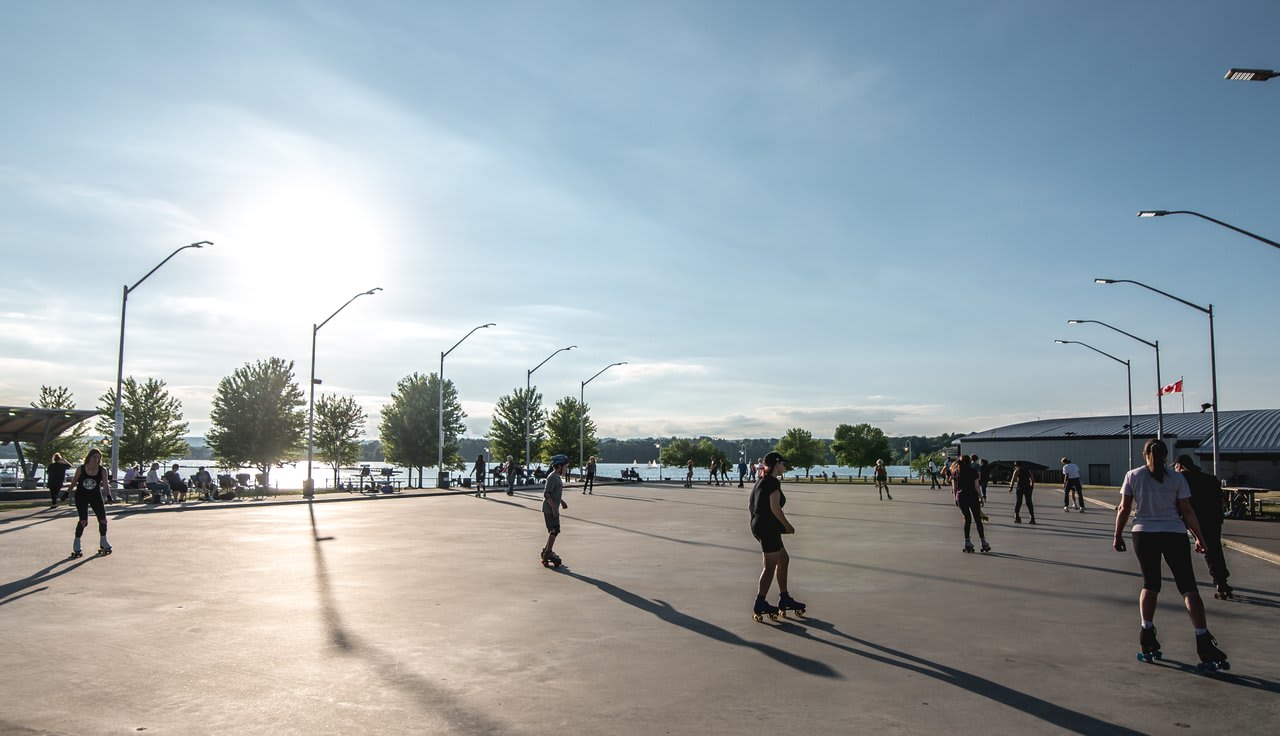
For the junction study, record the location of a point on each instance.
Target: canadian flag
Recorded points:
(1173, 388)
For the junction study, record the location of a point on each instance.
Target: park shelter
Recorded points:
(1249, 452)
(25, 425)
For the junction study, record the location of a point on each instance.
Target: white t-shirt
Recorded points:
(1071, 470)
(1155, 503)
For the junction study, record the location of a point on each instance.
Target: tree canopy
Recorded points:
(506, 433)
(258, 416)
(860, 446)
(801, 450)
(338, 426)
(153, 426)
(72, 444)
(408, 429)
(702, 450)
(562, 431)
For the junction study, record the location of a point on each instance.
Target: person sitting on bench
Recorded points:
(160, 491)
(176, 484)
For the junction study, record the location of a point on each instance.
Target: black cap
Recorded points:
(1186, 462)
(774, 458)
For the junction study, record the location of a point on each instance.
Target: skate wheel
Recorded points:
(757, 617)
(773, 617)
(1158, 654)
(1225, 665)
(800, 612)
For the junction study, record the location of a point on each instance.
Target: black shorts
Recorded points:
(1150, 547)
(770, 540)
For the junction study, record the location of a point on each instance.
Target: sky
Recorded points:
(777, 214)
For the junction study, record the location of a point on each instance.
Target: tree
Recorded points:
(339, 424)
(408, 429)
(920, 463)
(800, 449)
(153, 426)
(702, 451)
(562, 431)
(73, 443)
(258, 416)
(860, 446)
(506, 434)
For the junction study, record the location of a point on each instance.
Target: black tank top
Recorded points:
(91, 483)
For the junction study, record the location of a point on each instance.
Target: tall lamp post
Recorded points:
(309, 489)
(1213, 359)
(1162, 213)
(1159, 385)
(1128, 371)
(118, 429)
(658, 446)
(442, 479)
(582, 433)
(528, 389)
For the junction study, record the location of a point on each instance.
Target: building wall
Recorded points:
(1257, 472)
(1109, 458)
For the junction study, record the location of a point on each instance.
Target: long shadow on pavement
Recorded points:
(46, 520)
(433, 699)
(666, 612)
(40, 576)
(1064, 718)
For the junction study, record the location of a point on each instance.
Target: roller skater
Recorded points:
(968, 546)
(478, 470)
(768, 524)
(985, 547)
(1206, 500)
(787, 603)
(1160, 503)
(764, 608)
(89, 484)
(1150, 645)
(55, 475)
(881, 476)
(552, 503)
(1024, 484)
(1211, 657)
(1224, 592)
(968, 498)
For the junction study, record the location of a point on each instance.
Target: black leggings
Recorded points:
(1176, 551)
(1069, 485)
(85, 499)
(1213, 557)
(53, 492)
(1024, 494)
(972, 515)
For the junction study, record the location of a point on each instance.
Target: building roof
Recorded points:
(1239, 432)
(36, 426)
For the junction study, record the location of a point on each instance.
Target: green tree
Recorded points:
(860, 446)
(679, 450)
(339, 424)
(259, 416)
(562, 431)
(506, 433)
(800, 449)
(408, 429)
(153, 426)
(920, 463)
(73, 443)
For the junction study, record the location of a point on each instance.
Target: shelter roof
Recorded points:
(1241, 432)
(36, 426)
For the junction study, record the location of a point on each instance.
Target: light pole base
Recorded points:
(308, 488)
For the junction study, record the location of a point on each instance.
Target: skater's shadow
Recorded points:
(625, 498)
(1064, 718)
(666, 612)
(433, 701)
(23, 517)
(46, 520)
(40, 576)
(1249, 681)
(1059, 563)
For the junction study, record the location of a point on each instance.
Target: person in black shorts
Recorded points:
(88, 484)
(768, 524)
(552, 502)
(479, 472)
(55, 475)
(1206, 501)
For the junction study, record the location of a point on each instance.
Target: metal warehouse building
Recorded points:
(1249, 452)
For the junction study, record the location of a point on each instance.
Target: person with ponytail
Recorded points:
(1160, 503)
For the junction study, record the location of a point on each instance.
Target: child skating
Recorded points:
(552, 503)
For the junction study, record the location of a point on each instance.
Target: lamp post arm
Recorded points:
(602, 370)
(1117, 329)
(199, 244)
(1109, 355)
(1161, 293)
(464, 337)
(344, 306)
(1227, 225)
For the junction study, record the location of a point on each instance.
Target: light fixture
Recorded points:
(1250, 75)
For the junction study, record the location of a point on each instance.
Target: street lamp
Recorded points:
(1159, 385)
(1129, 378)
(528, 389)
(119, 411)
(1162, 213)
(441, 479)
(658, 446)
(1213, 358)
(309, 490)
(1250, 75)
(581, 413)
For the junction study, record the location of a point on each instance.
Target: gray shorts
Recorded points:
(552, 520)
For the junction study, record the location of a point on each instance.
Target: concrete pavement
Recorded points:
(432, 615)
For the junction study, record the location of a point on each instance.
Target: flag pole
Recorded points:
(1184, 397)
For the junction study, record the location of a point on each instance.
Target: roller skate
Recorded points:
(1150, 645)
(550, 559)
(1224, 592)
(787, 603)
(1211, 657)
(1017, 519)
(968, 546)
(104, 550)
(762, 609)
(985, 547)
(1033, 521)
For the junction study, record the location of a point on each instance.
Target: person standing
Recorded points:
(552, 502)
(478, 471)
(742, 471)
(1206, 501)
(1024, 483)
(1160, 502)
(88, 484)
(1071, 482)
(688, 474)
(55, 474)
(715, 470)
(881, 476)
(933, 476)
(768, 524)
(510, 469)
(968, 498)
(589, 484)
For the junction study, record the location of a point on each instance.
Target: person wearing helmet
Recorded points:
(552, 503)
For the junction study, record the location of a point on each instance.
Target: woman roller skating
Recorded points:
(88, 484)
(768, 524)
(968, 497)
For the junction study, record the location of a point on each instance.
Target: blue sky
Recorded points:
(778, 214)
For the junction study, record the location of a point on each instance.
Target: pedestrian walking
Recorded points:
(1160, 502)
(742, 472)
(768, 524)
(984, 477)
(1024, 483)
(968, 498)
(688, 474)
(55, 474)
(1070, 483)
(89, 484)
(715, 470)
(552, 502)
(1206, 501)
(589, 484)
(881, 476)
(933, 476)
(478, 471)
(511, 469)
